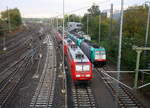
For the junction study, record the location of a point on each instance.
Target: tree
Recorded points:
(134, 29)
(93, 23)
(94, 10)
(15, 17)
(72, 18)
(135, 22)
(3, 27)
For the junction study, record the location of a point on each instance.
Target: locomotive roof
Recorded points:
(74, 38)
(92, 44)
(78, 36)
(77, 54)
(68, 40)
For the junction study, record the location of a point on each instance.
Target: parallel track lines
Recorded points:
(44, 93)
(12, 81)
(82, 96)
(125, 98)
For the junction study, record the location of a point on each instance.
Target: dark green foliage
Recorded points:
(93, 23)
(15, 17)
(94, 10)
(72, 18)
(135, 22)
(3, 27)
(134, 29)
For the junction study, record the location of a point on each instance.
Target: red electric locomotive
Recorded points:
(79, 65)
(58, 37)
(67, 42)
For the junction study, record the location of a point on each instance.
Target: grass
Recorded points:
(2, 52)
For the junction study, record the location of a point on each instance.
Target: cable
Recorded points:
(75, 10)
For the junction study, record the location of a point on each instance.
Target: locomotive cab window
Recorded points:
(79, 56)
(69, 41)
(73, 46)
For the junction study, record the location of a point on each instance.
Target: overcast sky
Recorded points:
(50, 8)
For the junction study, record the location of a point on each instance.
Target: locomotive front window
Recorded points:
(82, 67)
(97, 55)
(100, 55)
(103, 52)
(100, 52)
(78, 67)
(86, 67)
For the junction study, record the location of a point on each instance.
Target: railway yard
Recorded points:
(31, 76)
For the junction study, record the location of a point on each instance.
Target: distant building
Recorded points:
(74, 26)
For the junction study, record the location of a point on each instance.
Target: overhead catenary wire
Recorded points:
(85, 7)
(99, 28)
(97, 3)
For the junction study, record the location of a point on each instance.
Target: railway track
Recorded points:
(124, 97)
(82, 96)
(13, 52)
(79, 95)
(17, 49)
(12, 41)
(10, 82)
(11, 57)
(13, 67)
(10, 50)
(43, 97)
(19, 36)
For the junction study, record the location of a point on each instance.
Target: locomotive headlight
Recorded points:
(78, 67)
(78, 75)
(88, 75)
(86, 67)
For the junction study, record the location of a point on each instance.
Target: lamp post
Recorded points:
(119, 49)
(63, 68)
(57, 23)
(99, 28)
(147, 27)
(87, 24)
(110, 27)
(120, 41)
(9, 24)
(63, 32)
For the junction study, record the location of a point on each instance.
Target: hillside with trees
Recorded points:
(15, 20)
(134, 30)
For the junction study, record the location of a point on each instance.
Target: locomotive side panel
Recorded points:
(86, 49)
